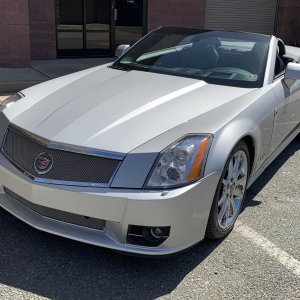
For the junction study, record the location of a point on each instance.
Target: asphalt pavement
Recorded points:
(259, 260)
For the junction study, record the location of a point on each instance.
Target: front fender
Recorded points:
(226, 139)
(256, 121)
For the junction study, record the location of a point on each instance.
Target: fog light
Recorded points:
(147, 236)
(156, 233)
(153, 234)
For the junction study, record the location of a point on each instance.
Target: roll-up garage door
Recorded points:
(241, 15)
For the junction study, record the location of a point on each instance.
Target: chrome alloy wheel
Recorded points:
(233, 189)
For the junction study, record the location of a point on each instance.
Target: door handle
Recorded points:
(116, 14)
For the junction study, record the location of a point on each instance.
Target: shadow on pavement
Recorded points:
(58, 268)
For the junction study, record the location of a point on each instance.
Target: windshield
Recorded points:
(218, 57)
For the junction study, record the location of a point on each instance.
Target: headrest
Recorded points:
(281, 48)
(258, 47)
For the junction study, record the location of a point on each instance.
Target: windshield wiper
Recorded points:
(120, 67)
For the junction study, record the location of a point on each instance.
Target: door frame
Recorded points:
(73, 53)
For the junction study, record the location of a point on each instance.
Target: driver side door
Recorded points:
(287, 111)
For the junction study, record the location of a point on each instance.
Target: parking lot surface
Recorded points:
(259, 260)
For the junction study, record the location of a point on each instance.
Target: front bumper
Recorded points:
(185, 210)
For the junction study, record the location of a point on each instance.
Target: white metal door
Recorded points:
(241, 15)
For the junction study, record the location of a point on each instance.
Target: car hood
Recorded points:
(115, 110)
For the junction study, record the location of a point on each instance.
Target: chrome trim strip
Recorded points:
(69, 183)
(4, 140)
(66, 147)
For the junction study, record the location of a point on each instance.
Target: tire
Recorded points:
(230, 194)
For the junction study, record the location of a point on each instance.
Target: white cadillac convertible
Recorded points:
(155, 152)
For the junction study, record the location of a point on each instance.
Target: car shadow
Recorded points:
(58, 268)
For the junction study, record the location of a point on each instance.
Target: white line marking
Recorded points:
(274, 251)
(10, 292)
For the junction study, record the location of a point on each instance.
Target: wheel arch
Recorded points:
(249, 141)
(227, 138)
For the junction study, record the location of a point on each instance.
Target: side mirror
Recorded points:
(121, 50)
(292, 71)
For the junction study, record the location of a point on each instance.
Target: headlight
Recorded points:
(10, 100)
(181, 163)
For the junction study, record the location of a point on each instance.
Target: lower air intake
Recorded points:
(59, 215)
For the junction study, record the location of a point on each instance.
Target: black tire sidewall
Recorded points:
(214, 231)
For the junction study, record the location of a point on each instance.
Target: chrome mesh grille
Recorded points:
(67, 166)
(60, 215)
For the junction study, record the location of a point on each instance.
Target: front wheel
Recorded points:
(230, 193)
